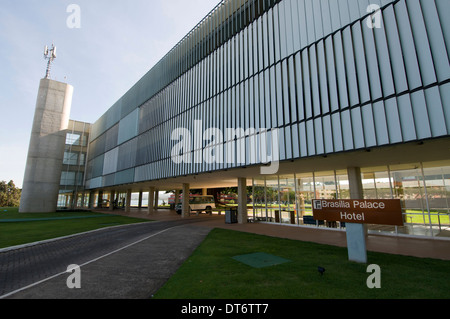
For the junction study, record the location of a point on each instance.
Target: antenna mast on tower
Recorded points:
(49, 55)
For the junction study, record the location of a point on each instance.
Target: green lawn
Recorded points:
(30, 229)
(212, 273)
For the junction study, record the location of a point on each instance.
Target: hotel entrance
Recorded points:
(423, 188)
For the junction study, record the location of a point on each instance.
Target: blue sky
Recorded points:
(117, 43)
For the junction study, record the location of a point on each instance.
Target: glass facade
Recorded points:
(320, 77)
(423, 189)
(71, 192)
(313, 70)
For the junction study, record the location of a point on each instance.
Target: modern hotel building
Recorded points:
(301, 99)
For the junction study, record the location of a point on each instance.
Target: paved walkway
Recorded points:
(125, 262)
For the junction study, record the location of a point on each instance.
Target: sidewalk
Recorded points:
(417, 247)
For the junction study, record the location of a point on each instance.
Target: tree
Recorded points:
(9, 194)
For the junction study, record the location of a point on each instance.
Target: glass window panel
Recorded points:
(393, 121)
(347, 132)
(318, 24)
(358, 133)
(305, 193)
(295, 26)
(337, 132)
(267, 99)
(311, 137)
(323, 80)
(437, 178)
(421, 38)
(331, 74)
(265, 40)
(128, 127)
(273, 97)
(246, 50)
(255, 46)
(420, 115)
(445, 98)
(299, 87)
(251, 103)
(327, 134)
(372, 63)
(318, 133)
(251, 48)
(287, 214)
(353, 7)
(306, 85)
(342, 185)
(302, 23)
(259, 199)
(361, 66)
(67, 178)
(407, 43)
(292, 90)
(310, 21)
(350, 67)
(285, 92)
(288, 142)
(314, 81)
(443, 6)
(384, 62)
(335, 17)
(272, 196)
(243, 107)
(73, 139)
(303, 139)
(124, 177)
(408, 186)
(368, 125)
(261, 101)
(260, 43)
(70, 158)
(325, 185)
(326, 17)
(270, 36)
(283, 31)
(295, 141)
(381, 130)
(110, 161)
(344, 12)
(276, 32)
(340, 70)
(435, 112)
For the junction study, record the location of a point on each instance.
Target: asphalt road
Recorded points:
(126, 262)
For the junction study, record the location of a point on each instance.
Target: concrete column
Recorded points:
(91, 200)
(151, 198)
(185, 211)
(177, 196)
(156, 199)
(82, 199)
(100, 199)
(128, 202)
(204, 191)
(140, 200)
(242, 201)
(356, 233)
(46, 149)
(111, 200)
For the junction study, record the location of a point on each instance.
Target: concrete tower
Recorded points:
(46, 150)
